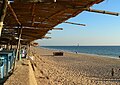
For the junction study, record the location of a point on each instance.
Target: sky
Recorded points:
(100, 29)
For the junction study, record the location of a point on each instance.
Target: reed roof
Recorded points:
(37, 18)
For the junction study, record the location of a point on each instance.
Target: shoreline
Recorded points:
(104, 56)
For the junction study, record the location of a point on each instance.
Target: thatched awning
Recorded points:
(38, 18)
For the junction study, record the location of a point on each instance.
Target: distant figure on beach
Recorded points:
(112, 72)
(76, 52)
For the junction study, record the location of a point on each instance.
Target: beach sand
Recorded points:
(20, 75)
(74, 69)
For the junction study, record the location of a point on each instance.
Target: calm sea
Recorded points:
(108, 51)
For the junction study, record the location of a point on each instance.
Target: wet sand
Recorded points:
(74, 69)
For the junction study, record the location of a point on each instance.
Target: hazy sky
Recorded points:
(101, 29)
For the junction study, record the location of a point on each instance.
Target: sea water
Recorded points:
(108, 51)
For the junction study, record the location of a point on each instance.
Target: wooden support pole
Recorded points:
(33, 14)
(18, 46)
(103, 12)
(57, 29)
(75, 23)
(28, 50)
(46, 37)
(8, 45)
(14, 14)
(3, 13)
(8, 48)
(49, 33)
(19, 53)
(11, 46)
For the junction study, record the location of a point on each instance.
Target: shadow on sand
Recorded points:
(2, 81)
(47, 55)
(111, 80)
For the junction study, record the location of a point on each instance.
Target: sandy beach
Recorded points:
(74, 69)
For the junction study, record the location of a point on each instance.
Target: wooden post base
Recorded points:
(1, 26)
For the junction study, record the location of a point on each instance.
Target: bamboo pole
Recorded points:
(14, 14)
(3, 13)
(28, 50)
(103, 12)
(46, 37)
(75, 23)
(57, 29)
(18, 46)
